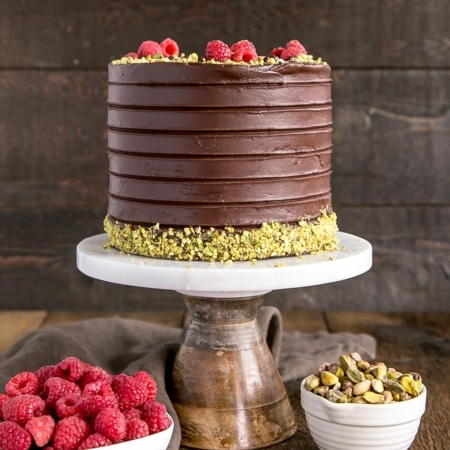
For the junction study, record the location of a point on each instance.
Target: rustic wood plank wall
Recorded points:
(391, 182)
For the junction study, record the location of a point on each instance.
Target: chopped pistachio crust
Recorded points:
(199, 244)
(194, 58)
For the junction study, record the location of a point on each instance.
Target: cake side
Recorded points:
(268, 240)
(220, 161)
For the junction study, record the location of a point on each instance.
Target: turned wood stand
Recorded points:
(226, 388)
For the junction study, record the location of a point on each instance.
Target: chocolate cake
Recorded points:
(219, 161)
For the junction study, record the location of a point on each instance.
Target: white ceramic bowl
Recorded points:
(157, 441)
(352, 426)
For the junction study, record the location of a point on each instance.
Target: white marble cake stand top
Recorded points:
(221, 280)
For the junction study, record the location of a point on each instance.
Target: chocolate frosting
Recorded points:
(215, 144)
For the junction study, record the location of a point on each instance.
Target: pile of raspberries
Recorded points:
(76, 406)
(245, 51)
(241, 51)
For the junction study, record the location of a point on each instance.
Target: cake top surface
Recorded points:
(242, 53)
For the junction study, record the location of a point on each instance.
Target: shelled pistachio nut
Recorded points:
(355, 380)
(347, 362)
(412, 387)
(355, 375)
(362, 387)
(328, 378)
(377, 386)
(373, 397)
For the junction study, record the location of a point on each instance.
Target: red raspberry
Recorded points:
(217, 50)
(22, 408)
(43, 374)
(289, 53)
(244, 51)
(67, 405)
(70, 432)
(155, 415)
(244, 43)
(14, 437)
(41, 429)
(97, 396)
(292, 50)
(149, 382)
(277, 51)
(95, 373)
(71, 369)
(94, 440)
(55, 388)
(22, 383)
(244, 55)
(297, 45)
(3, 397)
(130, 391)
(149, 48)
(136, 429)
(132, 414)
(169, 47)
(131, 55)
(111, 423)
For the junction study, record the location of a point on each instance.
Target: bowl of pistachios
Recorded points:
(356, 404)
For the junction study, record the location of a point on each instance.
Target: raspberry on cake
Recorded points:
(221, 158)
(217, 50)
(243, 50)
(149, 48)
(277, 51)
(169, 47)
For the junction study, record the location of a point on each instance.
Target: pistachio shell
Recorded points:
(348, 392)
(356, 356)
(321, 390)
(336, 396)
(311, 382)
(346, 383)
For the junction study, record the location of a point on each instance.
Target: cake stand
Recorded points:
(226, 388)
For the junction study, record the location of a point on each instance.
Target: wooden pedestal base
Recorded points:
(227, 391)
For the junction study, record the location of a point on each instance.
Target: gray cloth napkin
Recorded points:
(126, 345)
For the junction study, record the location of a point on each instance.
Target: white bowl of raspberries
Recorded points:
(77, 406)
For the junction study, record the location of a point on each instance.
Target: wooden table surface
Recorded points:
(407, 341)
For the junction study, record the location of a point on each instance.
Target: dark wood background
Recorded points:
(391, 179)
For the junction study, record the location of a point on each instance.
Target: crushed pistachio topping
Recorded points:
(225, 245)
(194, 58)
